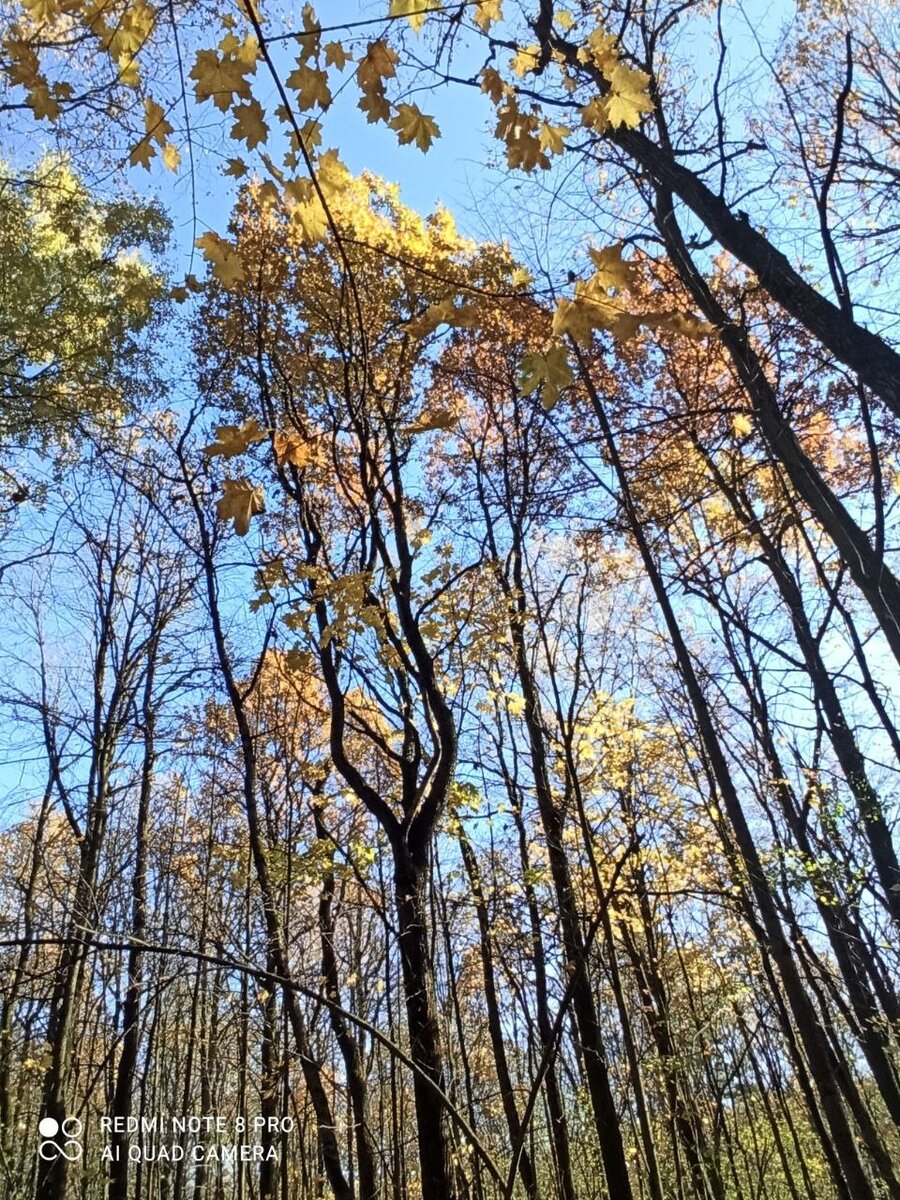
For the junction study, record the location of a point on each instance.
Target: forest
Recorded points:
(449, 627)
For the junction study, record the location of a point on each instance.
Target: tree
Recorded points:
(75, 296)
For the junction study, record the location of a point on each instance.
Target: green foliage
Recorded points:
(75, 291)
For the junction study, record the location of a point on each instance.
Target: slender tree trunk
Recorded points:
(495, 1022)
(821, 1062)
(410, 881)
(131, 1008)
(366, 1153)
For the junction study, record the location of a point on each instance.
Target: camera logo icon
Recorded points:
(50, 1149)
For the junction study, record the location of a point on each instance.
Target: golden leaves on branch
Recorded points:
(627, 99)
(157, 130)
(601, 302)
(241, 500)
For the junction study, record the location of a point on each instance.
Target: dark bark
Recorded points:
(366, 1153)
(822, 1065)
(494, 1018)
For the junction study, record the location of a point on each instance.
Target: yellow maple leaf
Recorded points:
(234, 439)
(492, 83)
(415, 11)
(311, 86)
(310, 134)
(331, 173)
(337, 56)
(375, 106)
(595, 114)
(22, 65)
(41, 10)
(550, 371)
(239, 502)
(437, 418)
(628, 98)
(156, 127)
(612, 270)
(378, 63)
(524, 150)
(220, 77)
(236, 168)
(291, 448)
(487, 13)
(741, 425)
(310, 217)
(413, 125)
(41, 100)
(574, 319)
(226, 264)
(249, 123)
(427, 322)
(526, 60)
(142, 154)
(601, 49)
(171, 156)
(552, 137)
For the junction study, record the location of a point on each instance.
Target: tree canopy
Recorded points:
(450, 710)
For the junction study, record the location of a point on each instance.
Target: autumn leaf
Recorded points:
(310, 134)
(741, 425)
(156, 126)
(376, 107)
(234, 439)
(171, 156)
(337, 56)
(291, 448)
(142, 154)
(226, 264)
(487, 13)
(413, 125)
(525, 60)
(415, 11)
(612, 270)
(574, 319)
(628, 99)
(436, 418)
(239, 502)
(220, 77)
(311, 218)
(378, 63)
(601, 50)
(492, 84)
(550, 371)
(332, 174)
(552, 137)
(249, 124)
(311, 86)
